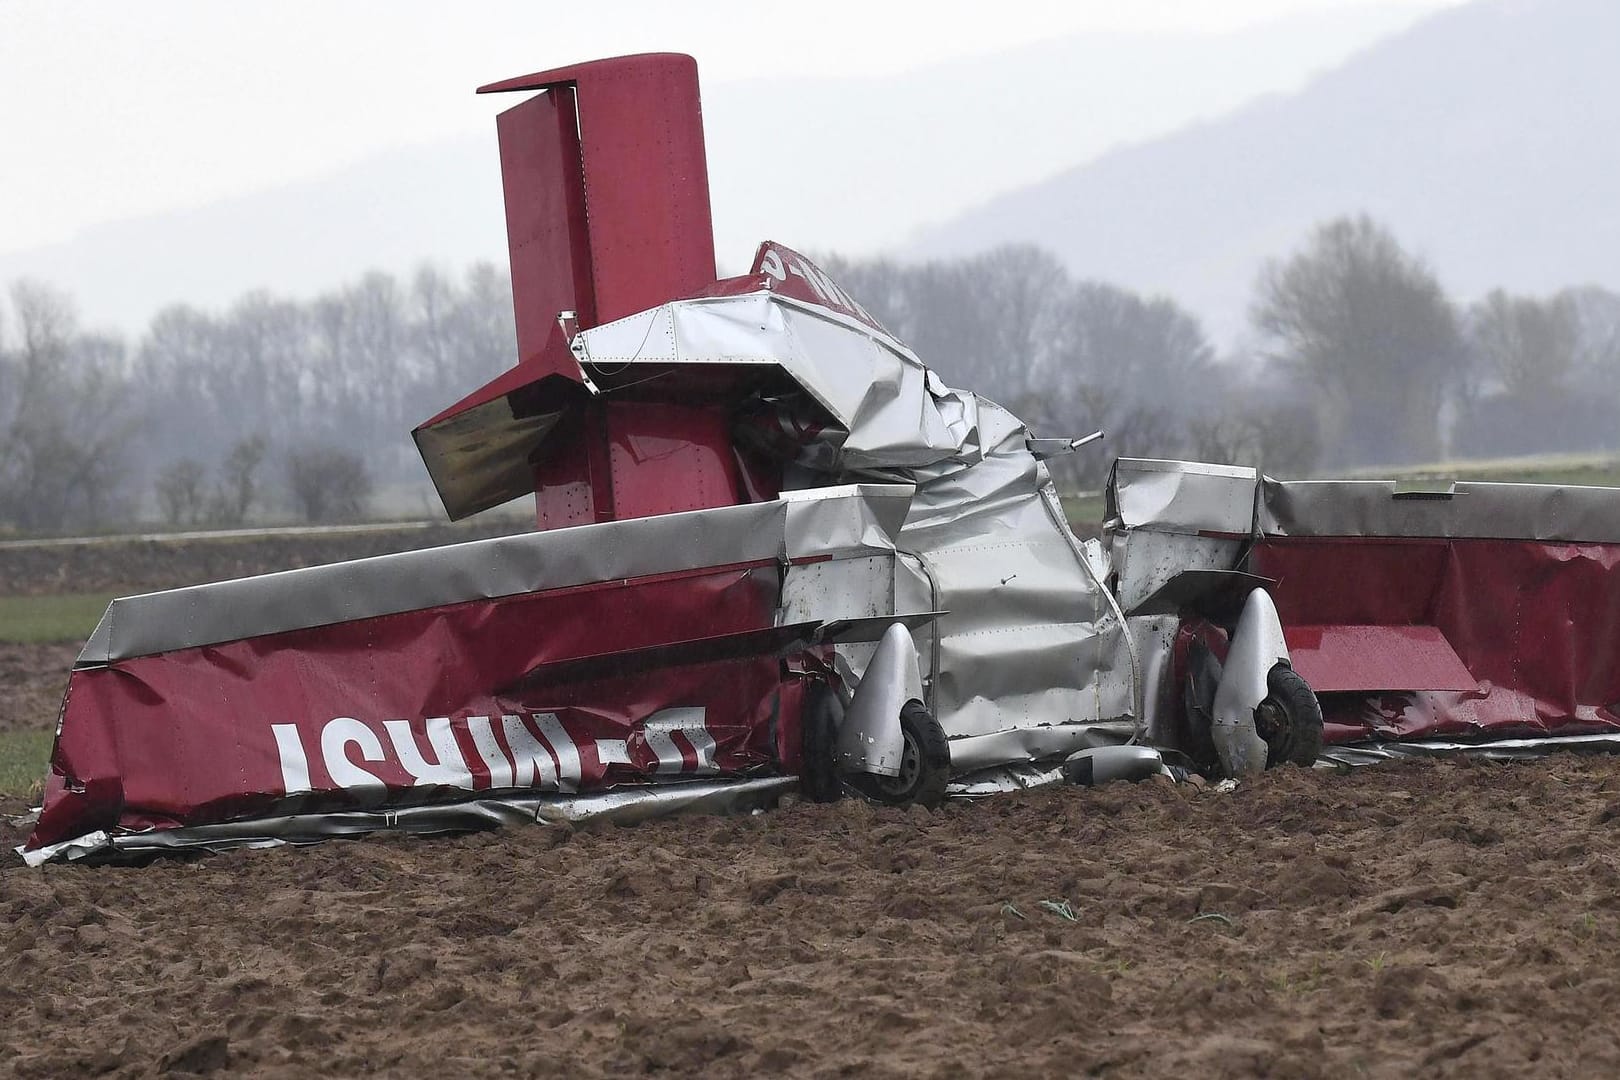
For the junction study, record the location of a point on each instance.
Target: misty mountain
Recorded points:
(853, 165)
(1487, 137)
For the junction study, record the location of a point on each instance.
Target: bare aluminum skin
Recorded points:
(1033, 649)
(844, 521)
(1257, 647)
(869, 739)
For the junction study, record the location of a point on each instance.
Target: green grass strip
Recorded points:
(29, 620)
(24, 758)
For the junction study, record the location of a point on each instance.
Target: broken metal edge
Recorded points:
(621, 807)
(1375, 751)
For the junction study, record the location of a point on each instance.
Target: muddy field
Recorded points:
(1405, 920)
(1419, 919)
(32, 678)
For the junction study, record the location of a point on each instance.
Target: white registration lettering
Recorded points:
(495, 759)
(550, 760)
(294, 765)
(450, 770)
(690, 722)
(336, 737)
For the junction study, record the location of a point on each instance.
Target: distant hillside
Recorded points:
(1487, 136)
(854, 165)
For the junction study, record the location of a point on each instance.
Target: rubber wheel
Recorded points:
(1198, 698)
(925, 764)
(818, 724)
(1290, 719)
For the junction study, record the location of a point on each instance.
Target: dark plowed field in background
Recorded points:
(148, 565)
(32, 678)
(1407, 920)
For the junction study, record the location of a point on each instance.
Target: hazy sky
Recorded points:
(111, 109)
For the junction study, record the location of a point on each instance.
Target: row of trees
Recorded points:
(1401, 373)
(1072, 357)
(271, 407)
(1357, 357)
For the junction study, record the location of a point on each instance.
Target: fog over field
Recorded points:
(1302, 234)
(821, 151)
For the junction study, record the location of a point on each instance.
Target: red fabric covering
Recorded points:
(188, 737)
(1536, 624)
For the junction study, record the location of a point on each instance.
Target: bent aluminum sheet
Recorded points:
(1467, 510)
(1033, 647)
(622, 807)
(1182, 496)
(830, 520)
(880, 397)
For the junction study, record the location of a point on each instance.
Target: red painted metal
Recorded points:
(186, 737)
(666, 458)
(787, 272)
(607, 209)
(649, 231)
(1353, 581)
(1536, 625)
(571, 482)
(545, 218)
(1337, 658)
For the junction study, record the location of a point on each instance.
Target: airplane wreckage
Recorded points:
(776, 552)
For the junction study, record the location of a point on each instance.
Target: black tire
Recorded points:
(1198, 702)
(925, 764)
(818, 723)
(1290, 719)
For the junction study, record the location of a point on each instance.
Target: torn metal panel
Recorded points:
(1161, 696)
(1373, 753)
(1030, 637)
(1005, 778)
(873, 389)
(1147, 560)
(621, 807)
(1036, 742)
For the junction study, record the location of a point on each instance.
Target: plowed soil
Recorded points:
(1404, 920)
(32, 679)
(116, 564)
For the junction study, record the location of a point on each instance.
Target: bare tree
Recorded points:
(1531, 346)
(238, 485)
(180, 492)
(984, 322)
(1370, 327)
(328, 484)
(1544, 373)
(65, 422)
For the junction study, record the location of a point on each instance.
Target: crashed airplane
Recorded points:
(775, 552)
